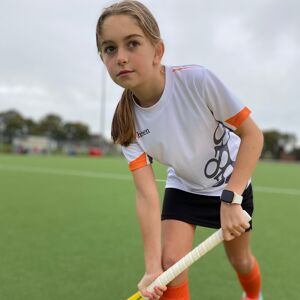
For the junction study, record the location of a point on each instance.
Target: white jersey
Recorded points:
(190, 129)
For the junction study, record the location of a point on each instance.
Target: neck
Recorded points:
(150, 92)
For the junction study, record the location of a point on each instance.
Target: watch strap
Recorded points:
(237, 199)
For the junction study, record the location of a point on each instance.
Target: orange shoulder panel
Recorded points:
(181, 68)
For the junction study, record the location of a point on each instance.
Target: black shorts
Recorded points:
(199, 209)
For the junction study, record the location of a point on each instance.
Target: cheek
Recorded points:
(109, 66)
(145, 59)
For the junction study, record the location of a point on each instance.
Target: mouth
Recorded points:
(124, 73)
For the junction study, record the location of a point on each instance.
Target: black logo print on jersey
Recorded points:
(216, 167)
(140, 134)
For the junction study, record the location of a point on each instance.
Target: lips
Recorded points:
(124, 72)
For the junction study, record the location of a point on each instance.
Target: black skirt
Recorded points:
(199, 209)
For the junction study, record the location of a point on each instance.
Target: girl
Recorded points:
(187, 119)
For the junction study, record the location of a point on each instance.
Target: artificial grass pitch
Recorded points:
(68, 230)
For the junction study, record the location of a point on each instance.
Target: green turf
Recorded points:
(68, 230)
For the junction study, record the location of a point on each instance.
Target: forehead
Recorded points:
(118, 27)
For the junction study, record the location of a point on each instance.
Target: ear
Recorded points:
(159, 52)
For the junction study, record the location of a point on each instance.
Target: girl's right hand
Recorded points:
(147, 279)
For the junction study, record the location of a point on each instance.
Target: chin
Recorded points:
(127, 85)
(121, 84)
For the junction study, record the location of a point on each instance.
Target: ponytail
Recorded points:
(123, 123)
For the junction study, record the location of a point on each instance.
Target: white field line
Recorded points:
(272, 190)
(94, 174)
(80, 173)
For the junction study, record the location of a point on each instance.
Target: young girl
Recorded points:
(187, 119)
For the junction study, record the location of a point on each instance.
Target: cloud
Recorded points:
(19, 90)
(49, 61)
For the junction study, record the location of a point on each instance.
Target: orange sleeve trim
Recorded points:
(139, 162)
(239, 118)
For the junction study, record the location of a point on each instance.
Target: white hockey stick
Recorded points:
(167, 276)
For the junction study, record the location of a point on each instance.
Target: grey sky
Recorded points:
(49, 62)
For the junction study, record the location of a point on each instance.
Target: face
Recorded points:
(127, 53)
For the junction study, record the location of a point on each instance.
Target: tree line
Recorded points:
(13, 124)
(279, 145)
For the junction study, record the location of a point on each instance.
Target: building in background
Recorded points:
(34, 144)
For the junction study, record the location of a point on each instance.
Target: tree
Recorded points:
(276, 142)
(76, 131)
(13, 125)
(296, 152)
(32, 127)
(289, 141)
(52, 126)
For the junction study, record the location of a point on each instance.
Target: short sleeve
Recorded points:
(136, 156)
(224, 105)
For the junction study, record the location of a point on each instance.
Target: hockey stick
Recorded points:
(167, 276)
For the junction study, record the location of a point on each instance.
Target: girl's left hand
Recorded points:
(233, 221)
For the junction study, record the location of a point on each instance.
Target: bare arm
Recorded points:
(232, 220)
(248, 155)
(148, 212)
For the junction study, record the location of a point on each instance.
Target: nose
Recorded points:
(122, 58)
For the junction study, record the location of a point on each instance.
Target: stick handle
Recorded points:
(166, 277)
(208, 244)
(211, 242)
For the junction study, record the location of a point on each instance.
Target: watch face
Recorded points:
(227, 196)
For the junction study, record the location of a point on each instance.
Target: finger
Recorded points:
(155, 294)
(242, 227)
(227, 236)
(247, 225)
(233, 230)
(163, 288)
(159, 290)
(147, 294)
(239, 229)
(236, 233)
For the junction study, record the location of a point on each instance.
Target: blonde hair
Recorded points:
(123, 124)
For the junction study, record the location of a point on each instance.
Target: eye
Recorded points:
(109, 49)
(133, 44)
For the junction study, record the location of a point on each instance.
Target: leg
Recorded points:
(239, 253)
(177, 241)
(245, 264)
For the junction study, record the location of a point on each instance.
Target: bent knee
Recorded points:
(169, 260)
(241, 264)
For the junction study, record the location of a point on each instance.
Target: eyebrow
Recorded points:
(126, 38)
